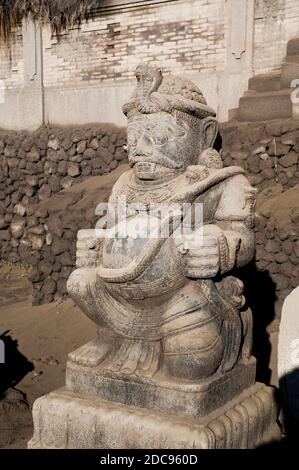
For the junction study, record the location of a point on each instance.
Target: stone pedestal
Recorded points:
(68, 420)
(100, 409)
(160, 393)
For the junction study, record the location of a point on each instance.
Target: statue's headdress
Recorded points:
(156, 93)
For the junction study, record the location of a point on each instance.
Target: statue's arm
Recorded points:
(228, 240)
(235, 218)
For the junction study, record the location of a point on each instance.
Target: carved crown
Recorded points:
(155, 93)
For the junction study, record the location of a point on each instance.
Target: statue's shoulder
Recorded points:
(238, 181)
(122, 182)
(237, 199)
(231, 176)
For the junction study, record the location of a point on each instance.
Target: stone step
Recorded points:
(289, 72)
(265, 106)
(293, 47)
(292, 58)
(265, 82)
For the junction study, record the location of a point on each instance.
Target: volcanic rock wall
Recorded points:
(35, 166)
(277, 238)
(48, 243)
(269, 153)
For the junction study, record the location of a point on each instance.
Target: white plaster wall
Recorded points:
(79, 105)
(88, 75)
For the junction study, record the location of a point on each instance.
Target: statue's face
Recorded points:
(160, 146)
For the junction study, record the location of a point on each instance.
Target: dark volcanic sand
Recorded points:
(37, 342)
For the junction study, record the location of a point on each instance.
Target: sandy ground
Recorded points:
(37, 342)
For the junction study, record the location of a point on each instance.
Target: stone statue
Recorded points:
(173, 309)
(174, 334)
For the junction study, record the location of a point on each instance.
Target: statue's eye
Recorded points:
(132, 140)
(175, 132)
(181, 132)
(160, 139)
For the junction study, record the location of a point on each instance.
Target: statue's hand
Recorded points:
(201, 251)
(203, 262)
(86, 253)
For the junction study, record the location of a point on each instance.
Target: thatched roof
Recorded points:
(60, 14)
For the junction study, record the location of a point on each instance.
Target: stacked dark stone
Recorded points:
(277, 241)
(268, 151)
(46, 235)
(35, 166)
(52, 252)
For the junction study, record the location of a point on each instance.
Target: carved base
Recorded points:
(160, 393)
(66, 420)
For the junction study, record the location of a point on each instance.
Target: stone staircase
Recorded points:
(269, 95)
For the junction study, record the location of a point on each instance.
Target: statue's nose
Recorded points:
(144, 145)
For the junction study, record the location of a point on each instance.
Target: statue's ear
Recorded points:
(210, 130)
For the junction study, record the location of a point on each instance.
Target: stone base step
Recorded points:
(293, 47)
(265, 82)
(294, 59)
(66, 420)
(182, 399)
(265, 106)
(289, 72)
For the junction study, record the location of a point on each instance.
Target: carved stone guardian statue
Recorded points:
(171, 365)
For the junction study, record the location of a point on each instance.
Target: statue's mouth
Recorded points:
(149, 165)
(160, 160)
(148, 171)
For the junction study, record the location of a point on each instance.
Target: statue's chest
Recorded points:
(141, 252)
(148, 197)
(128, 240)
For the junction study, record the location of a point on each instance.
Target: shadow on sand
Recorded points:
(15, 365)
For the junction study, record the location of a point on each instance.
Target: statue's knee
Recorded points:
(79, 281)
(193, 354)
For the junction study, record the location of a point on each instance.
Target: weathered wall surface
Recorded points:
(183, 36)
(89, 73)
(12, 62)
(275, 23)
